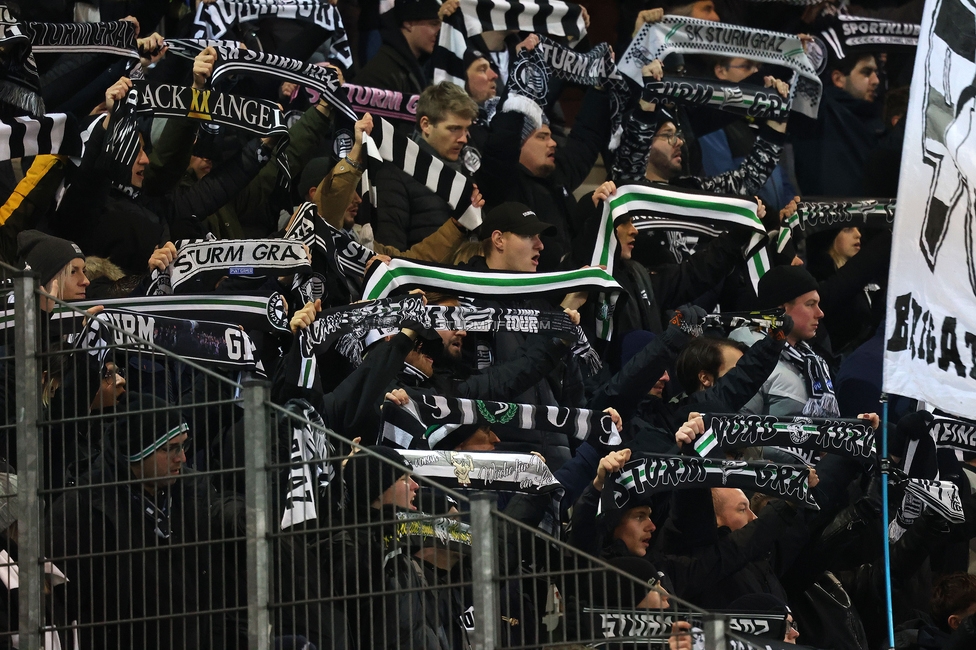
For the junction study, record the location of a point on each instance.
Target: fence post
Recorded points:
(257, 434)
(29, 454)
(484, 563)
(715, 632)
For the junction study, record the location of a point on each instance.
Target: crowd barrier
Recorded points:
(256, 526)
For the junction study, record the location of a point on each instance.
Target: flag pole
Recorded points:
(884, 519)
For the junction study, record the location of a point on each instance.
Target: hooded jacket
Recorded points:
(110, 542)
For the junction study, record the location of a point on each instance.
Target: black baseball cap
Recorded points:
(517, 218)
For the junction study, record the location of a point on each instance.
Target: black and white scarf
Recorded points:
(205, 262)
(954, 432)
(387, 144)
(332, 249)
(430, 419)
(253, 312)
(257, 116)
(543, 17)
(848, 437)
(550, 60)
(117, 37)
(819, 216)
(55, 133)
(642, 477)
(215, 20)
(311, 469)
(941, 496)
(20, 86)
(694, 36)
(325, 80)
(845, 34)
(821, 401)
(740, 99)
(384, 103)
(188, 48)
(205, 342)
(640, 628)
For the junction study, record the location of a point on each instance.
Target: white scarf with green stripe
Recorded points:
(400, 276)
(652, 207)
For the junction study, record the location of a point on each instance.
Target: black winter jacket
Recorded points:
(105, 222)
(406, 210)
(501, 177)
(394, 67)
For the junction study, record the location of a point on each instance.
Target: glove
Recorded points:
(911, 427)
(689, 318)
(780, 333)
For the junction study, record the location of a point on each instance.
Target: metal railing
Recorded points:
(273, 533)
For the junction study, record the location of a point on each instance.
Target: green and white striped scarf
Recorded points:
(400, 276)
(652, 207)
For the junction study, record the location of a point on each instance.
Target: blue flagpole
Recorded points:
(884, 518)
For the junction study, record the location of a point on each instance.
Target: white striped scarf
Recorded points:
(549, 17)
(329, 246)
(213, 21)
(694, 36)
(117, 37)
(849, 437)
(54, 133)
(740, 99)
(387, 144)
(655, 207)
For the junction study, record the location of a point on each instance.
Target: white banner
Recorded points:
(930, 338)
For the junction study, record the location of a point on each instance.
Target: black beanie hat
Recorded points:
(371, 477)
(44, 254)
(782, 284)
(144, 426)
(407, 10)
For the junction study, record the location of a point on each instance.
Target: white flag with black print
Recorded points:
(930, 331)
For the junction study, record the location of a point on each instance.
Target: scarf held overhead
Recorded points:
(118, 37)
(642, 477)
(433, 417)
(694, 36)
(216, 19)
(731, 431)
(740, 99)
(210, 260)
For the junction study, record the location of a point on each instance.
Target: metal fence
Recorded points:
(159, 503)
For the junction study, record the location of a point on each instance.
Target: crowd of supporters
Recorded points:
(145, 510)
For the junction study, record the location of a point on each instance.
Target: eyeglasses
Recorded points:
(672, 138)
(173, 450)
